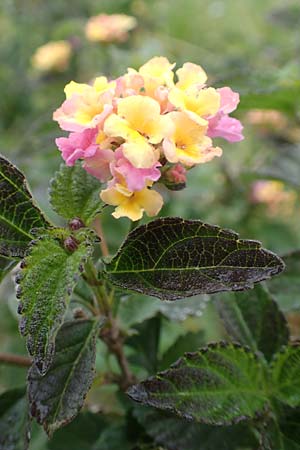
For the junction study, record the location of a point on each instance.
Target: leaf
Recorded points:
(290, 428)
(47, 279)
(179, 434)
(75, 193)
(6, 265)
(114, 438)
(18, 214)
(188, 342)
(253, 318)
(285, 370)
(171, 258)
(134, 309)
(286, 288)
(56, 398)
(218, 385)
(14, 420)
(80, 434)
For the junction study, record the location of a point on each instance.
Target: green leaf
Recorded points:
(80, 434)
(187, 343)
(47, 279)
(75, 193)
(218, 385)
(180, 434)
(171, 258)
(286, 288)
(290, 428)
(6, 265)
(56, 398)
(18, 214)
(285, 371)
(254, 319)
(14, 420)
(134, 309)
(114, 438)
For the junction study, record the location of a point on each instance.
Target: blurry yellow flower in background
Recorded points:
(109, 28)
(274, 196)
(53, 56)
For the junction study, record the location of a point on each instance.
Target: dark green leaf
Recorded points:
(56, 398)
(188, 343)
(113, 438)
(171, 258)
(285, 371)
(75, 193)
(290, 428)
(179, 434)
(48, 277)
(254, 319)
(18, 214)
(80, 434)
(286, 288)
(218, 385)
(14, 420)
(6, 265)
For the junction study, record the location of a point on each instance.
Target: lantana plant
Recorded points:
(128, 140)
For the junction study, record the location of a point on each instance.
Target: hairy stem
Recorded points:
(15, 360)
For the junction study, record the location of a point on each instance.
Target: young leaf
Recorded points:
(179, 434)
(285, 370)
(14, 420)
(75, 193)
(47, 279)
(286, 288)
(218, 385)
(18, 214)
(171, 258)
(56, 398)
(254, 319)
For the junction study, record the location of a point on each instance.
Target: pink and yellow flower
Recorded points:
(53, 56)
(109, 28)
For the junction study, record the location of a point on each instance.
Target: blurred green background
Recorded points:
(253, 46)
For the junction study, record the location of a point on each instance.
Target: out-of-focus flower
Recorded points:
(53, 56)
(267, 119)
(274, 196)
(109, 28)
(144, 127)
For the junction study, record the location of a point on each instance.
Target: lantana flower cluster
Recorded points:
(143, 127)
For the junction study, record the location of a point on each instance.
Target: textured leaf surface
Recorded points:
(14, 423)
(6, 265)
(254, 319)
(285, 375)
(218, 385)
(46, 283)
(18, 214)
(179, 434)
(171, 258)
(56, 398)
(75, 193)
(286, 288)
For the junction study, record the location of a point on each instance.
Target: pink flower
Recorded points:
(221, 125)
(98, 165)
(176, 174)
(136, 179)
(78, 145)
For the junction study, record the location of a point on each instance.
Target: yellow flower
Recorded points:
(140, 124)
(132, 204)
(190, 76)
(53, 56)
(160, 69)
(109, 28)
(188, 145)
(101, 84)
(203, 102)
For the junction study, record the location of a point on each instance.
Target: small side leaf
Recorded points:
(56, 398)
(286, 288)
(47, 279)
(285, 371)
(75, 193)
(171, 258)
(253, 318)
(218, 385)
(14, 420)
(18, 213)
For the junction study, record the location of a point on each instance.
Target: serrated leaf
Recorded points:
(56, 398)
(75, 193)
(18, 213)
(6, 265)
(253, 318)
(218, 385)
(285, 371)
(286, 288)
(14, 420)
(48, 277)
(171, 258)
(180, 434)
